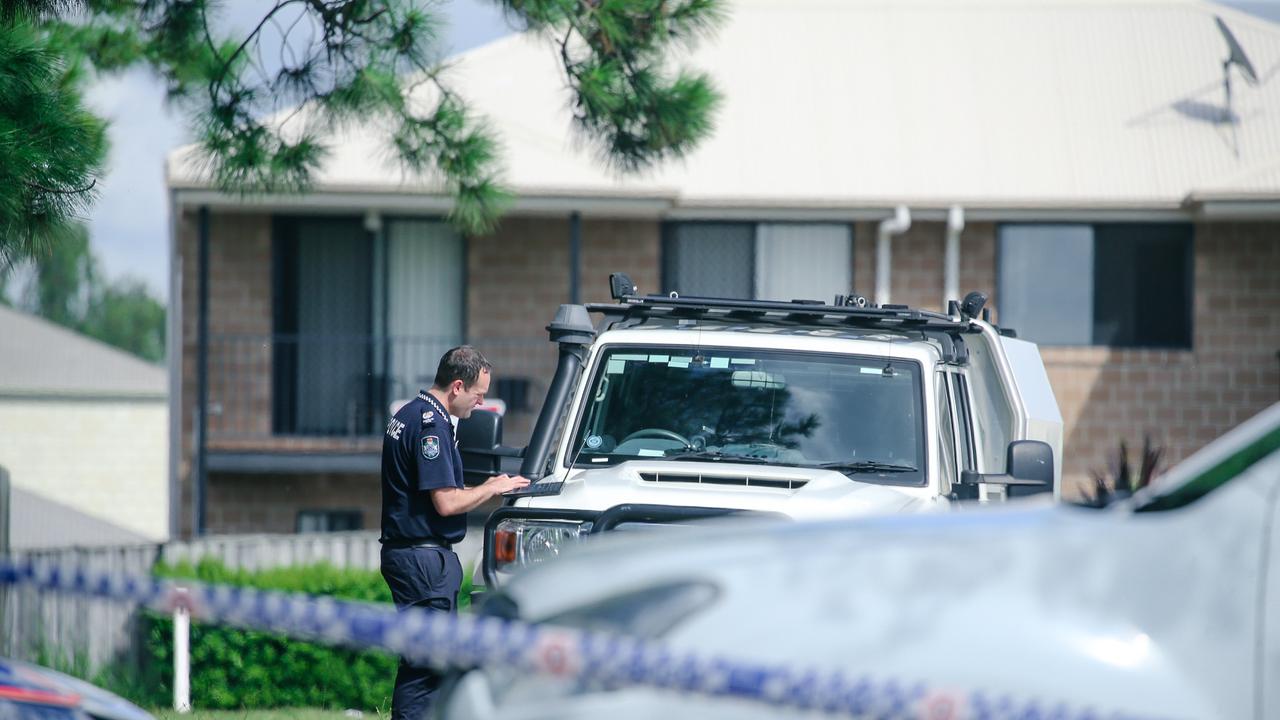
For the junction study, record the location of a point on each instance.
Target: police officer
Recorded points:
(424, 506)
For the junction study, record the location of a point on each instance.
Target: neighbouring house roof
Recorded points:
(39, 358)
(37, 522)
(873, 103)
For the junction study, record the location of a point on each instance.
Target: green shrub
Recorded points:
(241, 669)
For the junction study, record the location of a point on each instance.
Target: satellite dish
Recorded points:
(1236, 55)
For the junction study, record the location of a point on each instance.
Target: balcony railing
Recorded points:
(312, 391)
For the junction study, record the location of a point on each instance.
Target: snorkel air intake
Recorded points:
(572, 330)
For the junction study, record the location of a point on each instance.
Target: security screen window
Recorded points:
(363, 316)
(859, 415)
(1111, 284)
(762, 261)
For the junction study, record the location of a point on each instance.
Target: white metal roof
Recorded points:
(39, 358)
(871, 103)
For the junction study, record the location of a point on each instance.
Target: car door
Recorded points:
(1269, 638)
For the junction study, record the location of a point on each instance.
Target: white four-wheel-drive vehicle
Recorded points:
(1165, 605)
(674, 408)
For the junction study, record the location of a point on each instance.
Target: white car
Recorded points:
(1164, 606)
(676, 408)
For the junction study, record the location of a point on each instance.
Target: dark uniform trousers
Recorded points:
(424, 577)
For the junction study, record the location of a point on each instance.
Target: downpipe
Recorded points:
(951, 260)
(572, 330)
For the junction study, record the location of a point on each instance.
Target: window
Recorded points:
(1114, 284)
(764, 261)
(762, 407)
(360, 319)
(946, 437)
(960, 390)
(329, 520)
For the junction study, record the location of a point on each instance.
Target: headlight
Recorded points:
(527, 542)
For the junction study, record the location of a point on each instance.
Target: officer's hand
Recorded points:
(507, 483)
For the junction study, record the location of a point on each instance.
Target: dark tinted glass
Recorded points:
(1142, 285)
(774, 407)
(1111, 284)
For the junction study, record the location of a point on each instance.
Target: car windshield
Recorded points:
(855, 414)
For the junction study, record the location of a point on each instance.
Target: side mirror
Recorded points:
(1030, 464)
(1028, 470)
(480, 444)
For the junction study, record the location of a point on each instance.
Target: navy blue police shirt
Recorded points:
(419, 455)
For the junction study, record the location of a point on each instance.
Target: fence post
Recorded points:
(181, 655)
(5, 512)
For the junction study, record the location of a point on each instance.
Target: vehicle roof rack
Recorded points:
(855, 312)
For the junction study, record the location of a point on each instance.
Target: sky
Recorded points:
(129, 226)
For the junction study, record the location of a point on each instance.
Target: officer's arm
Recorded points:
(456, 500)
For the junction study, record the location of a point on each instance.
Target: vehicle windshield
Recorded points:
(855, 414)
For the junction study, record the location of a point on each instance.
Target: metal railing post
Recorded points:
(181, 656)
(201, 429)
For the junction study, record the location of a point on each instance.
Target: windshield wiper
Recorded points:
(866, 466)
(723, 457)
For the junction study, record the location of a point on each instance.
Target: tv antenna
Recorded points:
(1235, 56)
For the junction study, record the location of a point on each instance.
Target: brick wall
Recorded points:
(916, 277)
(518, 276)
(270, 503)
(610, 246)
(978, 261)
(1182, 399)
(239, 321)
(239, 305)
(864, 260)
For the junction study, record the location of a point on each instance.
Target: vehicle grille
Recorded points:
(740, 480)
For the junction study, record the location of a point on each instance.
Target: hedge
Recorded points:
(240, 669)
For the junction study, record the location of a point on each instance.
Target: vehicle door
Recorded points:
(1010, 399)
(1269, 638)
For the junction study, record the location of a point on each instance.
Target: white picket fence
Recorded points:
(74, 631)
(358, 549)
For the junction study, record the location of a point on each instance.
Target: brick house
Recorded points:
(1076, 160)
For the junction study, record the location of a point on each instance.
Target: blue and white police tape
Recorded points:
(595, 659)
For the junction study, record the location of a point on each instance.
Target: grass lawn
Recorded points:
(281, 714)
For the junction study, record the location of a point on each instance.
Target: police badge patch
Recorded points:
(431, 447)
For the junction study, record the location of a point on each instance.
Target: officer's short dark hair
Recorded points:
(463, 363)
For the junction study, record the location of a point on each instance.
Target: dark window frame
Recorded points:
(329, 514)
(285, 239)
(668, 236)
(1188, 315)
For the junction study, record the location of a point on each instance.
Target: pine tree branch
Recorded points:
(93, 182)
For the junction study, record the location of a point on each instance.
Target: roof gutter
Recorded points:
(896, 225)
(1237, 209)
(346, 202)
